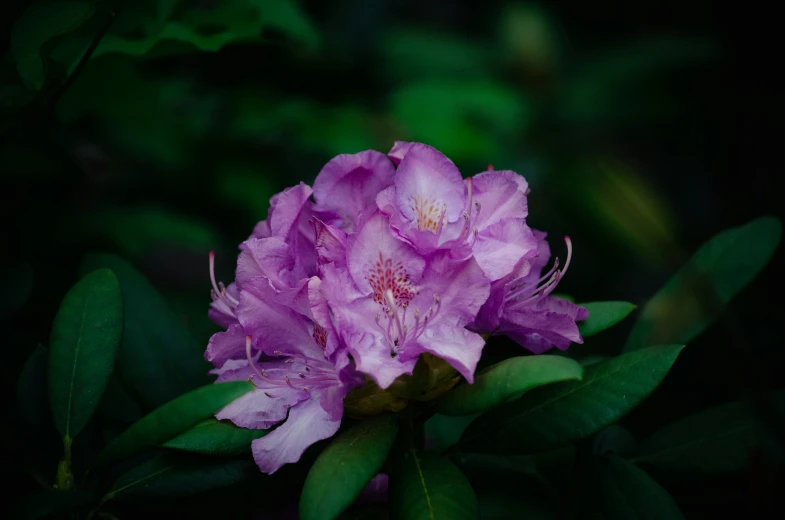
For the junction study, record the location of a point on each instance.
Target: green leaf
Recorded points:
(507, 380)
(214, 437)
(172, 475)
(41, 22)
(426, 486)
(559, 414)
(696, 296)
(716, 440)
(172, 419)
(603, 315)
(46, 502)
(85, 336)
(442, 432)
(345, 467)
(158, 359)
(208, 28)
(615, 489)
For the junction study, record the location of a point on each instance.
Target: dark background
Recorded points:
(643, 130)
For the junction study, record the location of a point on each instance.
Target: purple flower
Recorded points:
(520, 305)
(299, 387)
(389, 303)
(397, 255)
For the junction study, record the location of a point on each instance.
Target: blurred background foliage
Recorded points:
(627, 120)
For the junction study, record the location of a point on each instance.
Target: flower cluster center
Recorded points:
(430, 213)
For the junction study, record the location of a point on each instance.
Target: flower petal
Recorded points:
(378, 261)
(500, 247)
(371, 355)
(501, 194)
(285, 209)
(308, 422)
(226, 345)
(349, 183)
(428, 185)
(330, 243)
(544, 324)
(456, 345)
(269, 257)
(259, 411)
(399, 150)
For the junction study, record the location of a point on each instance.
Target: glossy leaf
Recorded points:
(345, 467)
(41, 22)
(559, 414)
(696, 295)
(172, 475)
(158, 359)
(603, 315)
(506, 380)
(172, 419)
(720, 439)
(427, 486)
(85, 337)
(214, 437)
(615, 489)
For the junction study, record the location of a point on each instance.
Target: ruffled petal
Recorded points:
(349, 183)
(224, 346)
(502, 245)
(308, 422)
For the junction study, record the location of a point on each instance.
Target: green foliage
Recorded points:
(172, 475)
(603, 315)
(506, 380)
(172, 419)
(721, 439)
(426, 486)
(561, 413)
(214, 437)
(41, 22)
(158, 359)
(696, 296)
(85, 338)
(617, 490)
(345, 467)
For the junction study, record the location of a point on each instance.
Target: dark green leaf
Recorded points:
(507, 380)
(172, 419)
(426, 486)
(232, 21)
(41, 22)
(214, 437)
(345, 467)
(85, 336)
(615, 489)
(171, 475)
(559, 414)
(46, 502)
(441, 431)
(720, 439)
(697, 294)
(603, 315)
(158, 359)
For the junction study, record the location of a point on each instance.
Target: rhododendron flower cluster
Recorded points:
(386, 258)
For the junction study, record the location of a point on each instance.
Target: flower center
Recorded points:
(390, 275)
(396, 330)
(522, 293)
(302, 373)
(430, 213)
